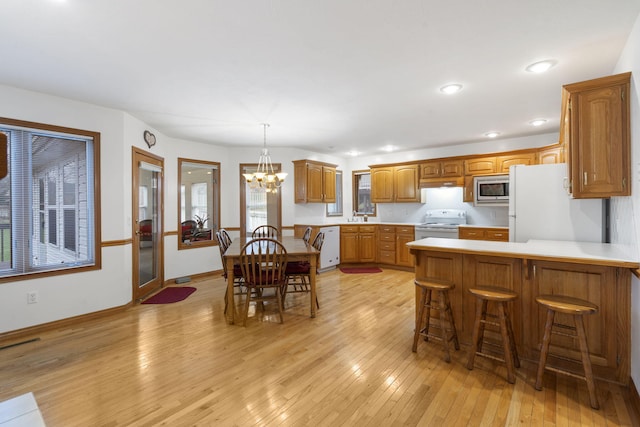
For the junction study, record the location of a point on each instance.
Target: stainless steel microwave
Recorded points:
(492, 190)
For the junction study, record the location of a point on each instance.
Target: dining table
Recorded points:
(297, 250)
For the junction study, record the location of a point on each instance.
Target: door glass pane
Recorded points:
(148, 216)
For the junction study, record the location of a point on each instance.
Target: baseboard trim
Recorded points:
(7, 338)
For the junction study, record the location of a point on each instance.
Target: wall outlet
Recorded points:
(32, 297)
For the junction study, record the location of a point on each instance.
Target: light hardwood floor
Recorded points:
(180, 364)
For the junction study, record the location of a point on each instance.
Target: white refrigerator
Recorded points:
(541, 208)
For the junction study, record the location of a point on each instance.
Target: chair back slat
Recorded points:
(307, 235)
(318, 241)
(267, 231)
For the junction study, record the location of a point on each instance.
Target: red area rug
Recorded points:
(360, 270)
(169, 295)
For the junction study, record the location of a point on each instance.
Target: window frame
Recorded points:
(94, 219)
(354, 193)
(213, 222)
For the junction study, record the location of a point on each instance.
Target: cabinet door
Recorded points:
(596, 284)
(430, 170)
(382, 185)
(480, 166)
(599, 142)
(406, 184)
(314, 183)
(349, 247)
(467, 196)
(403, 256)
(451, 169)
(505, 162)
(329, 184)
(550, 155)
(367, 247)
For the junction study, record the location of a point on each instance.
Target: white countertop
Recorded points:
(579, 252)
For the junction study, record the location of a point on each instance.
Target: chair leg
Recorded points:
(544, 351)
(477, 333)
(454, 331)
(586, 361)
(508, 355)
(427, 317)
(419, 321)
(443, 328)
(512, 340)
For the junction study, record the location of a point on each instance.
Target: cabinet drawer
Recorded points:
(404, 230)
(387, 246)
(387, 257)
(387, 228)
(367, 228)
(471, 233)
(498, 235)
(387, 237)
(348, 228)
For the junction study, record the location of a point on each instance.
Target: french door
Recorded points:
(147, 223)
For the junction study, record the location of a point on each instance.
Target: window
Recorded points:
(335, 209)
(48, 219)
(362, 194)
(199, 201)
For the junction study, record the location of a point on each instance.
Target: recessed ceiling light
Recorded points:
(541, 66)
(451, 88)
(388, 148)
(491, 134)
(538, 122)
(352, 153)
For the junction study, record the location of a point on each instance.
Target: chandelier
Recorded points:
(264, 178)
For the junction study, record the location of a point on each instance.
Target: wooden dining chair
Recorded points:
(237, 271)
(307, 235)
(299, 272)
(265, 231)
(224, 235)
(263, 262)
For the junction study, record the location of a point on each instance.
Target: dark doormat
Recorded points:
(169, 295)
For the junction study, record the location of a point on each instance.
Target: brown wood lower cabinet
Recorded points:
(608, 331)
(357, 243)
(392, 245)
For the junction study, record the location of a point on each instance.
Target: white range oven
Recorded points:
(441, 223)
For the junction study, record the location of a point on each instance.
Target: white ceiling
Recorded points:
(328, 75)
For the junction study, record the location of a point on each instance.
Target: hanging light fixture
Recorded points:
(264, 178)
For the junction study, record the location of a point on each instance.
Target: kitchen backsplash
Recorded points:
(443, 198)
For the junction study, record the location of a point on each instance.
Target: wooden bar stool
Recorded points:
(501, 297)
(442, 304)
(577, 308)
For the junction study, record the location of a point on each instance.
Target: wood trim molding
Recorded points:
(122, 242)
(26, 333)
(204, 275)
(636, 272)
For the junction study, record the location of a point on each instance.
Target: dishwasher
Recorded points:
(330, 253)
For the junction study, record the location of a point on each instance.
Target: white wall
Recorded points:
(623, 209)
(75, 294)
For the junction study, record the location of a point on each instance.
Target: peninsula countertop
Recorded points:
(550, 250)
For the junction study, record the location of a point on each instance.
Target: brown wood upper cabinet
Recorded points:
(598, 133)
(480, 166)
(503, 163)
(553, 154)
(315, 182)
(395, 184)
(441, 173)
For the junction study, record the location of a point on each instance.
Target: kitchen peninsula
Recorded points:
(600, 273)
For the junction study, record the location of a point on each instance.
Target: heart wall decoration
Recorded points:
(149, 138)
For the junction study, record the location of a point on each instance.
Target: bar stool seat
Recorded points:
(446, 325)
(577, 308)
(500, 297)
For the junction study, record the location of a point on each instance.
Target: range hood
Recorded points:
(441, 182)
